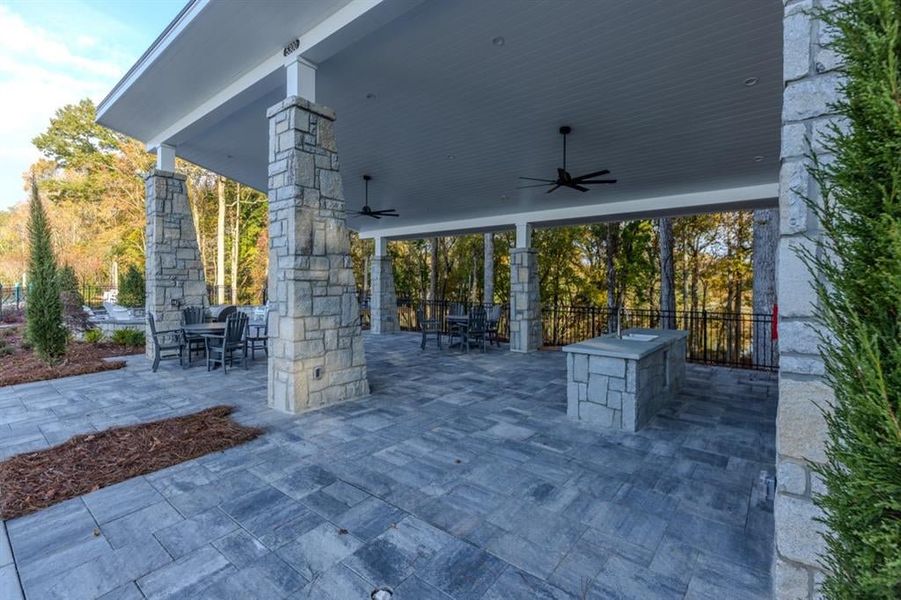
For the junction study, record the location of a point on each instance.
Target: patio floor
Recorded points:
(459, 477)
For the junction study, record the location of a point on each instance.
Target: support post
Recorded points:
(488, 277)
(383, 304)
(173, 271)
(811, 86)
(525, 301)
(316, 353)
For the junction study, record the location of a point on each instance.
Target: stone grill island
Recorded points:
(621, 382)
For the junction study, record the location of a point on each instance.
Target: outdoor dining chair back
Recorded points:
(428, 326)
(221, 349)
(193, 315)
(491, 325)
(475, 328)
(258, 337)
(167, 343)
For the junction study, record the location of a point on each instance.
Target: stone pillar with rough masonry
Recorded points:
(316, 353)
(383, 303)
(525, 300)
(811, 84)
(173, 270)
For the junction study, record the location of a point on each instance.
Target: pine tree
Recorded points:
(857, 265)
(43, 310)
(131, 291)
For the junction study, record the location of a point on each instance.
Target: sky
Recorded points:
(56, 52)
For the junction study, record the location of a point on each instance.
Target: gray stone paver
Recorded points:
(459, 477)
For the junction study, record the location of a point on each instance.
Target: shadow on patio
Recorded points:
(459, 477)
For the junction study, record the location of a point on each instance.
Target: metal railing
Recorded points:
(743, 340)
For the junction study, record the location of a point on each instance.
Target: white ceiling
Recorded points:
(654, 91)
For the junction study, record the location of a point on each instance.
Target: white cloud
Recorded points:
(38, 74)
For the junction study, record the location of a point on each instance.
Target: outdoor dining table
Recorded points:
(204, 328)
(457, 321)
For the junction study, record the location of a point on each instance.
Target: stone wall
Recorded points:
(811, 84)
(383, 304)
(525, 301)
(173, 270)
(623, 393)
(315, 345)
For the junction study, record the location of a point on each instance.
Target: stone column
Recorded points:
(488, 282)
(316, 348)
(383, 304)
(525, 301)
(173, 271)
(811, 84)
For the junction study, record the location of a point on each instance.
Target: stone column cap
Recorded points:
(303, 103)
(161, 173)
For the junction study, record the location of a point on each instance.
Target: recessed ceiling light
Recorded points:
(751, 81)
(451, 157)
(758, 158)
(370, 96)
(498, 41)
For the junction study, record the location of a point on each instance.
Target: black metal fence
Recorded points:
(744, 340)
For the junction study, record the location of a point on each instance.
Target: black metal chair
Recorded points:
(193, 315)
(491, 325)
(428, 326)
(165, 342)
(475, 328)
(220, 349)
(259, 340)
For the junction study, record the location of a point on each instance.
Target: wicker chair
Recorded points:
(167, 344)
(220, 349)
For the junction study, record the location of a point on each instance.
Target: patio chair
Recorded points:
(220, 349)
(165, 343)
(473, 330)
(193, 315)
(258, 340)
(494, 318)
(428, 326)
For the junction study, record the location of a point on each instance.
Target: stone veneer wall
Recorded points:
(383, 304)
(173, 270)
(811, 84)
(623, 393)
(315, 344)
(525, 301)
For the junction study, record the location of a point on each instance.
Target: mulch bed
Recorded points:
(36, 480)
(21, 365)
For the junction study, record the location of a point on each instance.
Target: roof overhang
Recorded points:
(445, 104)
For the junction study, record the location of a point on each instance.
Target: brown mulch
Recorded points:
(36, 480)
(21, 365)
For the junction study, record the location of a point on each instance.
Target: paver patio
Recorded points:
(459, 477)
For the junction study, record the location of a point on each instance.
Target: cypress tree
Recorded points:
(857, 268)
(43, 309)
(132, 289)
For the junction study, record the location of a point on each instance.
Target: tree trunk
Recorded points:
(667, 275)
(236, 235)
(488, 284)
(763, 269)
(220, 243)
(433, 269)
(611, 248)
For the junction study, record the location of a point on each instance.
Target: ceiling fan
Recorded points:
(564, 179)
(368, 212)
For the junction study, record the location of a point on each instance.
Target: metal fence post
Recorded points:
(704, 327)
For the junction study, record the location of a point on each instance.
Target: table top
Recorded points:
(458, 318)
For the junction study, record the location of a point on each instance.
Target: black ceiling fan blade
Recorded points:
(553, 188)
(582, 178)
(386, 213)
(581, 188)
(535, 179)
(525, 187)
(597, 181)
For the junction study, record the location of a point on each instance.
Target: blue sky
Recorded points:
(54, 52)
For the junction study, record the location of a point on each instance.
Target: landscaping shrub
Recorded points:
(128, 337)
(43, 310)
(93, 336)
(857, 268)
(131, 290)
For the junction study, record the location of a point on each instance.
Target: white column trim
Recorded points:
(300, 78)
(381, 247)
(165, 158)
(523, 235)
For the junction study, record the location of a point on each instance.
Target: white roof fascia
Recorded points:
(692, 203)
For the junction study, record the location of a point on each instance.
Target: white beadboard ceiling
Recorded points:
(653, 89)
